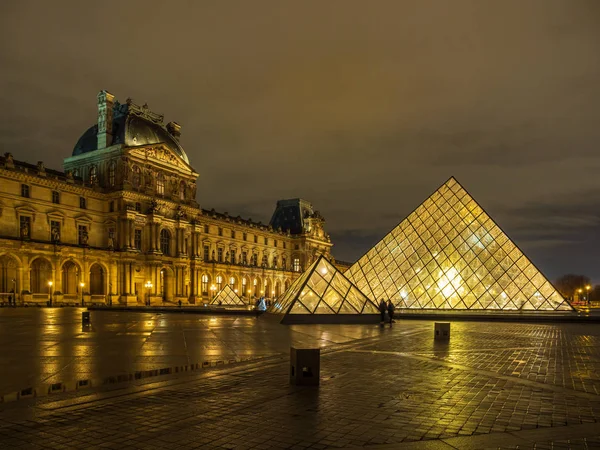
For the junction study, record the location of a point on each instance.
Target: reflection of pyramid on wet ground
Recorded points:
(449, 254)
(227, 297)
(322, 290)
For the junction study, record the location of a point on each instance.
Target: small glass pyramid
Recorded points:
(449, 254)
(227, 297)
(322, 289)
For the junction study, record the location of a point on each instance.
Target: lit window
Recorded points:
(219, 281)
(25, 224)
(232, 282)
(137, 239)
(296, 265)
(165, 242)
(25, 191)
(55, 197)
(204, 284)
(112, 173)
(160, 184)
(82, 234)
(93, 174)
(220, 255)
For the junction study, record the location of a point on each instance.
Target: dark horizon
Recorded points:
(363, 112)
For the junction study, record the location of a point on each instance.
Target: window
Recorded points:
(254, 259)
(137, 239)
(112, 173)
(206, 229)
(244, 258)
(220, 231)
(25, 226)
(55, 197)
(220, 255)
(296, 247)
(138, 206)
(245, 236)
(25, 190)
(244, 283)
(232, 283)
(206, 252)
(82, 203)
(283, 262)
(219, 281)
(165, 241)
(111, 206)
(264, 261)
(296, 266)
(160, 184)
(255, 239)
(204, 284)
(232, 257)
(137, 177)
(266, 240)
(54, 230)
(93, 174)
(82, 234)
(284, 246)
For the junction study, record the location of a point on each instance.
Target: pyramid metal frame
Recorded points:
(449, 254)
(228, 297)
(323, 290)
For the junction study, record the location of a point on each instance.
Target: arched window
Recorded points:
(8, 274)
(219, 281)
(96, 280)
(232, 283)
(182, 191)
(41, 276)
(160, 184)
(244, 284)
(165, 242)
(137, 177)
(204, 284)
(112, 173)
(283, 262)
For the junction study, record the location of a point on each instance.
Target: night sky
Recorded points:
(363, 108)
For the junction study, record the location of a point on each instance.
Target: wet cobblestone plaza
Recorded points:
(492, 385)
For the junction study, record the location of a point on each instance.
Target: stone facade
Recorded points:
(122, 224)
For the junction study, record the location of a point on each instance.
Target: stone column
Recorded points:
(131, 233)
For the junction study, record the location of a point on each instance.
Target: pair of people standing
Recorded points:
(389, 307)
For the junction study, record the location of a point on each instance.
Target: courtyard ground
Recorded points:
(493, 385)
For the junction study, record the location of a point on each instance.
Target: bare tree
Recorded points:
(569, 284)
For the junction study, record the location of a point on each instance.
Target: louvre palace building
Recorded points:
(121, 225)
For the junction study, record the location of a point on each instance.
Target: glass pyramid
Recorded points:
(449, 254)
(227, 297)
(322, 289)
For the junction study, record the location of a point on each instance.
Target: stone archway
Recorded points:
(71, 277)
(9, 278)
(277, 289)
(97, 280)
(268, 289)
(41, 276)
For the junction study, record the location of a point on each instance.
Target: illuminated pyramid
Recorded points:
(323, 290)
(449, 254)
(227, 297)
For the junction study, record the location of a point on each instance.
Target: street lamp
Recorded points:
(148, 286)
(49, 293)
(81, 285)
(587, 288)
(579, 291)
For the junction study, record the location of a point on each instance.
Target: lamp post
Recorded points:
(49, 293)
(579, 291)
(148, 286)
(81, 285)
(587, 295)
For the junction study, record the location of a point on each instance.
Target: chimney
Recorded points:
(105, 119)
(174, 130)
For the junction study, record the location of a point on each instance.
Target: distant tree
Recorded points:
(595, 294)
(568, 284)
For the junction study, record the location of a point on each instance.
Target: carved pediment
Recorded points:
(162, 154)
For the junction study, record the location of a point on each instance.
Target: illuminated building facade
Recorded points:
(448, 254)
(122, 225)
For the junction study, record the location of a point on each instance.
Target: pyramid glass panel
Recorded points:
(452, 255)
(227, 297)
(322, 289)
